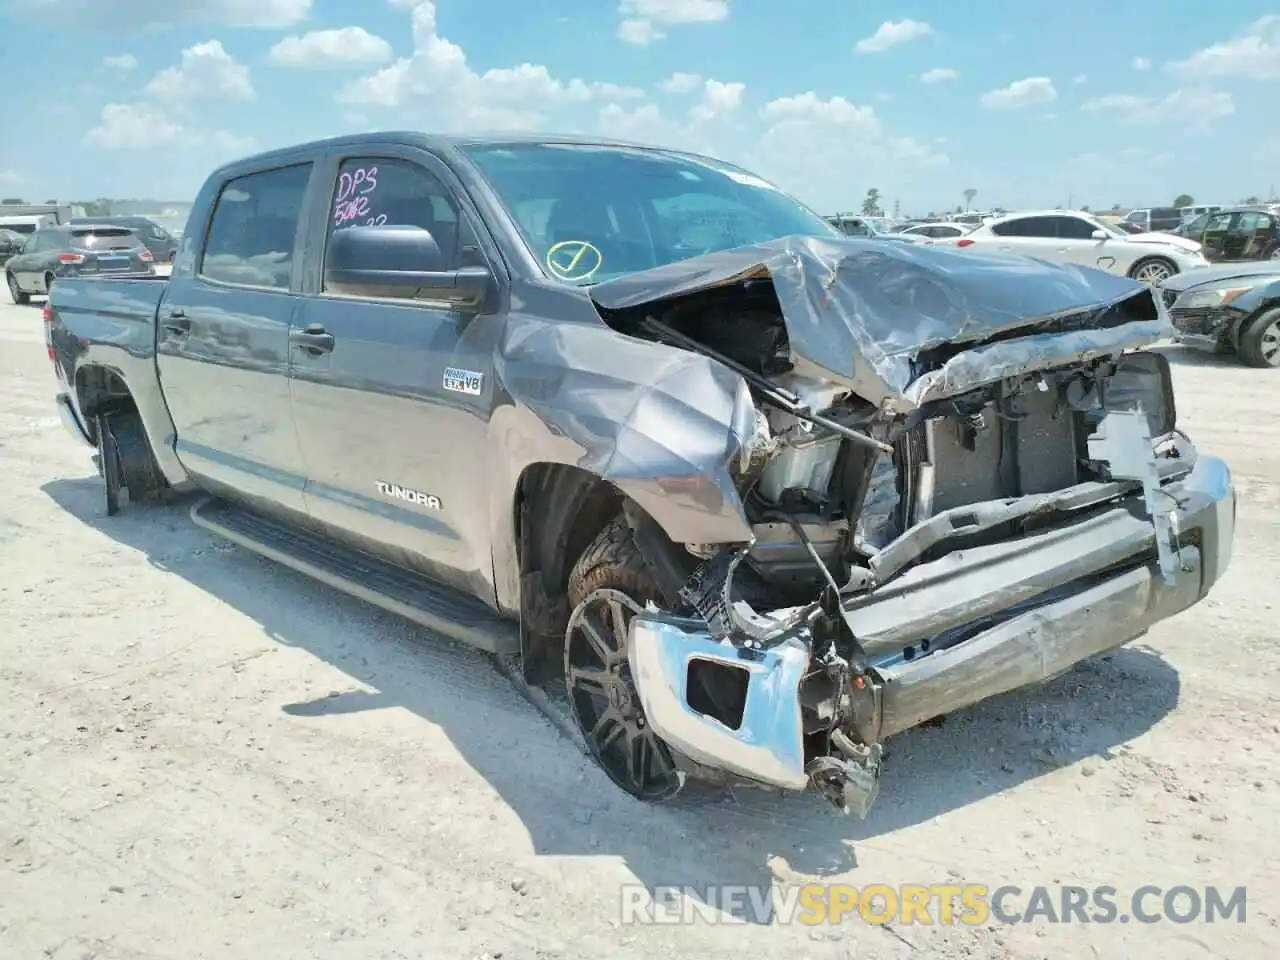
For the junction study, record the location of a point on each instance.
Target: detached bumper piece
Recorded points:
(942, 636)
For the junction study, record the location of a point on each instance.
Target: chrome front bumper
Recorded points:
(1044, 603)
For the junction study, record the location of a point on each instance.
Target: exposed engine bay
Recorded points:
(846, 497)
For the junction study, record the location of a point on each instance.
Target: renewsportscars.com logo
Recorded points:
(970, 904)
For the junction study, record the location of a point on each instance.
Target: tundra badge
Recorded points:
(397, 492)
(457, 380)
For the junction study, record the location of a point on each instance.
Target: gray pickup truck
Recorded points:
(758, 494)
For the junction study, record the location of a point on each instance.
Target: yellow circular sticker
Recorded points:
(574, 260)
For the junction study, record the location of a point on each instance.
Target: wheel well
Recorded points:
(558, 511)
(99, 389)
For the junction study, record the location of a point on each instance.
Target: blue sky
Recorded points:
(1030, 103)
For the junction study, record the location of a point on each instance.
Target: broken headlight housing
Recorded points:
(1134, 381)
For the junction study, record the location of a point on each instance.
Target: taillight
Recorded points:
(71, 258)
(146, 256)
(964, 243)
(47, 316)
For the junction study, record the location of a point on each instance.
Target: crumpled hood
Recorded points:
(859, 312)
(1164, 239)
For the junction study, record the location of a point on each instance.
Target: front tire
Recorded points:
(1153, 270)
(20, 298)
(607, 587)
(1260, 340)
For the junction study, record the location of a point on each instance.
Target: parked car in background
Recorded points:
(1230, 308)
(85, 250)
(11, 242)
(1236, 233)
(1068, 236)
(1155, 218)
(157, 239)
(1190, 213)
(28, 223)
(852, 226)
(937, 231)
(1125, 226)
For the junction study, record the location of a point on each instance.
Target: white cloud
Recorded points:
(892, 33)
(143, 126)
(124, 63)
(681, 83)
(939, 75)
(1254, 53)
(125, 126)
(207, 71)
(140, 14)
(643, 21)
(1193, 108)
(1141, 64)
(1021, 93)
(438, 79)
(838, 137)
(327, 49)
(719, 99)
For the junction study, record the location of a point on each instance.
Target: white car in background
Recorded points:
(1068, 236)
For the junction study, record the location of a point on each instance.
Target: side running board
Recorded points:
(435, 606)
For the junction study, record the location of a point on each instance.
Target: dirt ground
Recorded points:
(205, 755)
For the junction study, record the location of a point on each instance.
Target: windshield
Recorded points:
(591, 213)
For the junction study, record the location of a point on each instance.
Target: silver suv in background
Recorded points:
(1155, 219)
(88, 250)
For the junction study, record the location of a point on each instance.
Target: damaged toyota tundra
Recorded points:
(755, 495)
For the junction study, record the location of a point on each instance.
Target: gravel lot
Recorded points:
(205, 755)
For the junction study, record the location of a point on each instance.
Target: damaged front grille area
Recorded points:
(1022, 443)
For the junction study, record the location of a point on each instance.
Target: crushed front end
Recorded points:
(931, 527)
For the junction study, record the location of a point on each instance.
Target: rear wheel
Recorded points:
(1153, 270)
(607, 588)
(126, 461)
(15, 291)
(1260, 340)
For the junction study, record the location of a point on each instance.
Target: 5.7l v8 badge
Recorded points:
(457, 380)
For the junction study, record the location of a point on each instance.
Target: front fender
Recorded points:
(660, 424)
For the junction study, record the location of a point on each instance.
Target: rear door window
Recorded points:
(1073, 228)
(254, 230)
(1027, 227)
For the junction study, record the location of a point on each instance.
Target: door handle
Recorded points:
(314, 339)
(177, 323)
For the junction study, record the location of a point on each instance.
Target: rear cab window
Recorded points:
(253, 232)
